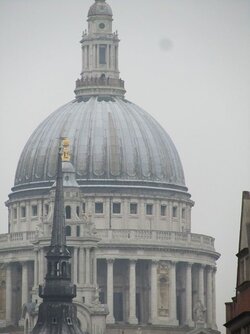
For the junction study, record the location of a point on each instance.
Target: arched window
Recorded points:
(68, 212)
(68, 231)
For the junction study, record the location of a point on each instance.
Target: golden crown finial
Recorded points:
(65, 149)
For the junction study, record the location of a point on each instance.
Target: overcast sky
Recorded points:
(186, 62)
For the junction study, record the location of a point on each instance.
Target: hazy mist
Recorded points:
(186, 62)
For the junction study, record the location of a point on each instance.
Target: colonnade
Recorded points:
(205, 293)
(84, 274)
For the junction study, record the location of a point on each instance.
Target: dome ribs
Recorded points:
(111, 142)
(114, 146)
(98, 148)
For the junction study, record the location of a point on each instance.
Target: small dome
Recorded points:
(100, 7)
(112, 141)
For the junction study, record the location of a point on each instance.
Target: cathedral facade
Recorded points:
(135, 260)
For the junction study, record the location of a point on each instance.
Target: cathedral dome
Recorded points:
(100, 7)
(112, 141)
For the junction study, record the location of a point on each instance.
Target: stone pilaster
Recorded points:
(214, 325)
(209, 298)
(36, 269)
(41, 266)
(8, 294)
(201, 283)
(75, 265)
(94, 267)
(132, 292)
(81, 266)
(110, 291)
(25, 287)
(87, 278)
(188, 306)
(153, 294)
(173, 309)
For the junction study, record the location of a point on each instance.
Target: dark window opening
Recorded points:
(46, 209)
(69, 322)
(68, 231)
(149, 209)
(101, 297)
(83, 207)
(116, 208)
(118, 306)
(23, 211)
(98, 207)
(183, 213)
(34, 210)
(54, 321)
(102, 54)
(64, 269)
(174, 214)
(133, 208)
(163, 210)
(78, 231)
(68, 212)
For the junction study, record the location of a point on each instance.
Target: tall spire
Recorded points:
(100, 73)
(57, 313)
(58, 239)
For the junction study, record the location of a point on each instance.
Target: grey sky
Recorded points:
(187, 62)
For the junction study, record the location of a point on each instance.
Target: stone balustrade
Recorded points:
(92, 82)
(140, 236)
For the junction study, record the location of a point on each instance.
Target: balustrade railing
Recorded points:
(92, 82)
(170, 237)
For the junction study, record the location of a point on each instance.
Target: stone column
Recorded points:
(189, 308)
(87, 281)
(94, 268)
(214, 326)
(8, 294)
(36, 269)
(153, 295)
(25, 287)
(108, 55)
(132, 292)
(110, 291)
(201, 284)
(209, 297)
(75, 265)
(173, 310)
(81, 266)
(41, 266)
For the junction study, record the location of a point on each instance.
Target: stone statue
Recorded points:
(199, 312)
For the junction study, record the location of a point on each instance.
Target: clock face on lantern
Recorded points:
(101, 25)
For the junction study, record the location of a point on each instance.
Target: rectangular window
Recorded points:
(133, 208)
(183, 213)
(34, 210)
(15, 213)
(102, 54)
(149, 209)
(116, 208)
(83, 208)
(174, 213)
(163, 210)
(98, 207)
(23, 211)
